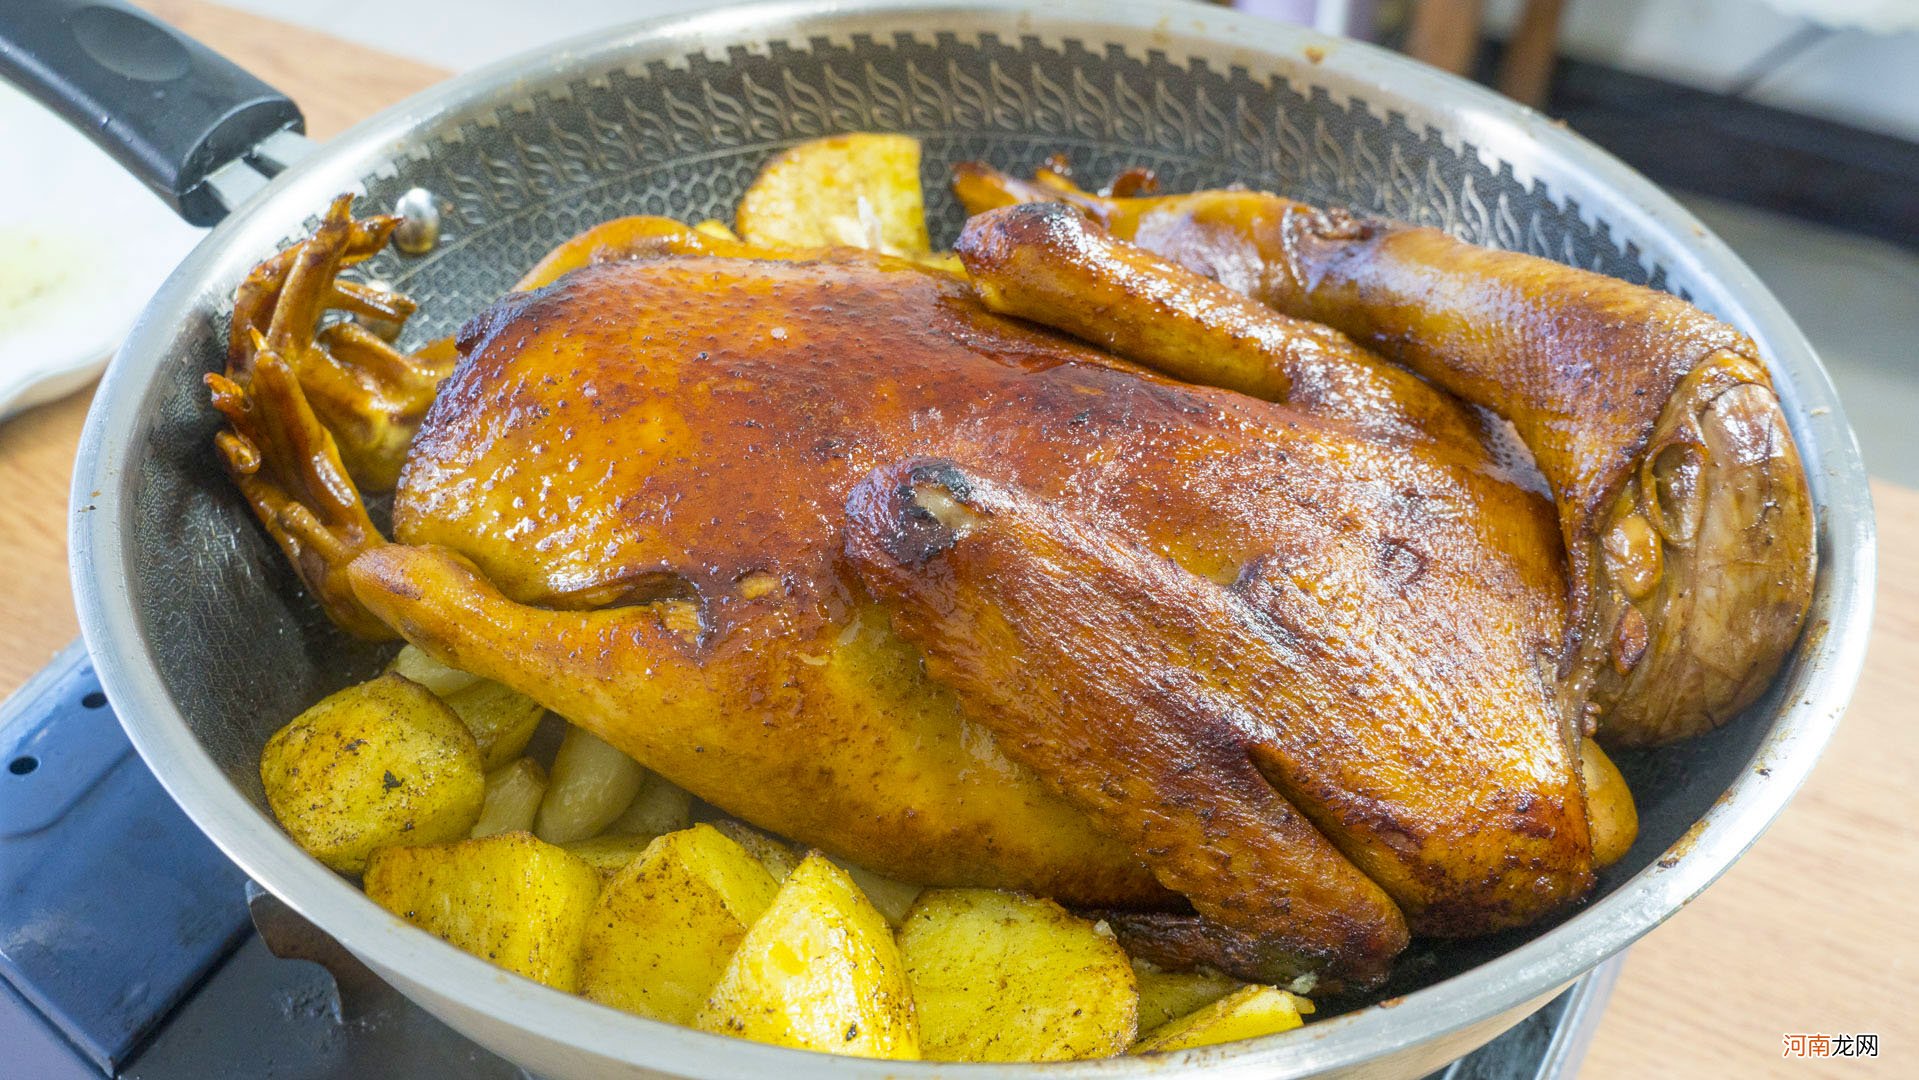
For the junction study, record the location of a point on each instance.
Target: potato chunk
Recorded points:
(661, 807)
(502, 719)
(1002, 976)
(1164, 995)
(1246, 1013)
(779, 859)
(378, 763)
(513, 796)
(1610, 812)
(610, 853)
(858, 190)
(667, 924)
(511, 898)
(818, 971)
(890, 897)
(590, 786)
(414, 663)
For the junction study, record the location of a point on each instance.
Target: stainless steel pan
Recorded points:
(206, 645)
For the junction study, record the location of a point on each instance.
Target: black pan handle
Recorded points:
(169, 109)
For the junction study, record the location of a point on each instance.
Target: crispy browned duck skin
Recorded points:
(1050, 264)
(1036, 620)
(1682, 498)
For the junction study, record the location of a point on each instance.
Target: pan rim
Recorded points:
(1524, 976)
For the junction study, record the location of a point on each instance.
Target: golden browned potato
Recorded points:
(818, 971)
(717, 229)
(1002, 976)
(591, 784)
(1610, 812)
(661, 807)
(667, 924)
(377, 763)
(858, 191)
(1246, 1013)
(1164, 995)
(512, 898)
(944, 260)
(502, 720)
(610, 852)
(779, 858)
(891, 898)
(414, 663)
(513, 795)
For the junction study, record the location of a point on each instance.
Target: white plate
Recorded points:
(82, 247)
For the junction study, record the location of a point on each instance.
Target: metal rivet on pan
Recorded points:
(420, 230)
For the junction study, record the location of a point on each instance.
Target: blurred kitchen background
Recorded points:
(1790, 126)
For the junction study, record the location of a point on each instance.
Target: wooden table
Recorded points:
(1812, 932)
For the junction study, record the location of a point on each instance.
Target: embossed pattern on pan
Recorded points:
(685, 140)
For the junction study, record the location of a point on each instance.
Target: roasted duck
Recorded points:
(1096, 571)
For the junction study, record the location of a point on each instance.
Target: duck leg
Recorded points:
(828, 763)
(1050, 264)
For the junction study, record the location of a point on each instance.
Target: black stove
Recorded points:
(130, 947)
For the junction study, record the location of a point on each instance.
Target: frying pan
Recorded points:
(206, 645)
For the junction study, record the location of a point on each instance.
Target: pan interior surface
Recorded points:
(211, 636)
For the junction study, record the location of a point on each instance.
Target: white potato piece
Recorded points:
(661, 807)
(513, 794)
(510, 898)
(891, 898)
(859, 190)
(502, 719)
(590, 785)
(776, 855)
(1165, 995)
(610, 853)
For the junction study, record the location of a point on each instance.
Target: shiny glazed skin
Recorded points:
(693, 427)
(1048, 263)
(648, 430)
(1682, 499)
